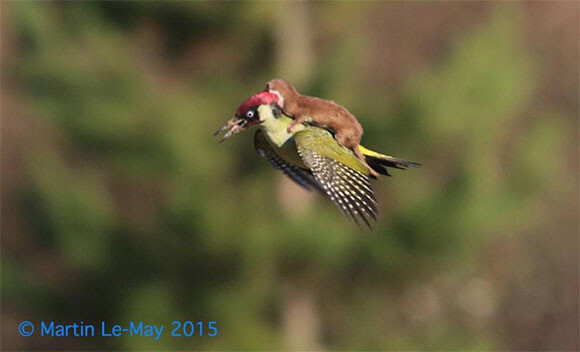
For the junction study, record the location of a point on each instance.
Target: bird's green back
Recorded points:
(322, 142)
(312, 138)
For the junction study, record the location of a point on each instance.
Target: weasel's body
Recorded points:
(320, 112)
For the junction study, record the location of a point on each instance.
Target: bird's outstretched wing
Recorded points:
(347, 187)
(299, 175)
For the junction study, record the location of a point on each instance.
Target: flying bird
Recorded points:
(322, 113)
(312, 157)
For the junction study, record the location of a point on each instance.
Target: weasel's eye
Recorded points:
(250, 114)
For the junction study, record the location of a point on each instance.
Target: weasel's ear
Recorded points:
(267, 86)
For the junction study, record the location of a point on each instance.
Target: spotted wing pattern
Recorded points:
(349, 189)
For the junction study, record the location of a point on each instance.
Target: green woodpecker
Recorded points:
(312, 157)
(320, 112)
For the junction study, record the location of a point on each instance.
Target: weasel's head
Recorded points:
(282, 88)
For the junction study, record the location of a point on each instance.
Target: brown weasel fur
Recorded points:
(320, 112)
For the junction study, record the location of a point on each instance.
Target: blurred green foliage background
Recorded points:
(119, 205)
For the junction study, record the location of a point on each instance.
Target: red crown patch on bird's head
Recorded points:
(257, 99)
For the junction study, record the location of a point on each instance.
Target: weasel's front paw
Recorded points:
(291, 127)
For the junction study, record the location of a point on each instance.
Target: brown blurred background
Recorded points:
(119, 205)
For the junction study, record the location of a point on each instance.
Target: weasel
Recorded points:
(322, 113)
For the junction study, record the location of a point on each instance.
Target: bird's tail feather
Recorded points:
(379, 161)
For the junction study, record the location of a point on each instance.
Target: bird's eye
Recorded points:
(250, 114)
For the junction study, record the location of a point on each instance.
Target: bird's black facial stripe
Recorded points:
(276, 112)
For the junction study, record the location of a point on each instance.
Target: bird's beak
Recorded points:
(233, 126)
